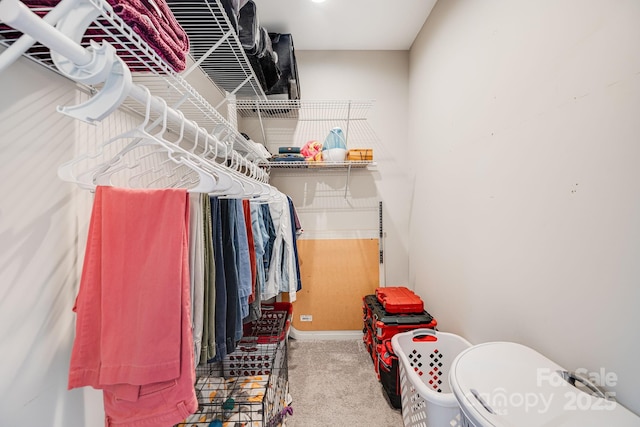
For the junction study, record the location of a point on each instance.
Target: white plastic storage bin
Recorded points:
(425, 358)
(503, 384)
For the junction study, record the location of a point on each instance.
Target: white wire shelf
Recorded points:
(321, 165)
(318, 110)
(293, 123)
(208, 26)
(150, 70)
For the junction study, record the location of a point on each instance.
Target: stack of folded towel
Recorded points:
(152, 20)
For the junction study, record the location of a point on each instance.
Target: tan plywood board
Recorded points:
(335, 274)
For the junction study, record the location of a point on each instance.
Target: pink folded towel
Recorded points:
(155, 23)
(152, 20)
(133, 328)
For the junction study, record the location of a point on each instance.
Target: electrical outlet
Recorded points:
(306, 318)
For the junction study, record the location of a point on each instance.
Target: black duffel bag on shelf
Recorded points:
(264, 62)
(288, 83)
(249, 28)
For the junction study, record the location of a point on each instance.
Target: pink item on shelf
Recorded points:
(152, 20)
(155, 23)
(133, 329)
(312, 150)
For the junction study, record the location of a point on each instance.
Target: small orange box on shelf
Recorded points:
(361, 154)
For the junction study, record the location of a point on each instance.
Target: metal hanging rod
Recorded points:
(97, 64)
(146, 66)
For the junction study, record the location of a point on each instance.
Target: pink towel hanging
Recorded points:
(133, 336)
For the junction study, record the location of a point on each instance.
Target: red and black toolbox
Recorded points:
(380, 325)
(390, 374)
(383, 325)
(399, 300)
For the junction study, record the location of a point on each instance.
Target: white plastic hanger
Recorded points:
(171, 169)
(247, 175)
(240, 166)
(102, 175)
(207, 181)
(84, 179)
(253, 173)
(227, 184)
(211, 153)
(265, 188)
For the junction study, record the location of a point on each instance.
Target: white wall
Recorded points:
(381, 76)
(525, 217)
(38, 254)
(43, 220)
(43, 230)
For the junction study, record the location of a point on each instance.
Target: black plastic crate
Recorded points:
(388, 373)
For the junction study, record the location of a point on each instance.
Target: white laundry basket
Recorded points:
(425, 357)
(503, 384)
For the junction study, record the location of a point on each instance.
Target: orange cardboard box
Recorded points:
(360, 154)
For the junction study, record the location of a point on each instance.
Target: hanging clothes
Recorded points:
(133, 328)
(259, 238)
(208, 348)
(220, 281)
(229, 222)
(282, 273)
(271, 237)
(243, 262)
(246, 207)
(196, 268)
(296, 228)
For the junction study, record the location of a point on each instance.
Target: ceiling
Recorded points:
(346, 24)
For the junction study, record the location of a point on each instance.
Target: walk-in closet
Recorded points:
(265, 213)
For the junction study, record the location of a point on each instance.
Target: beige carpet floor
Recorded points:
(333, 383)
